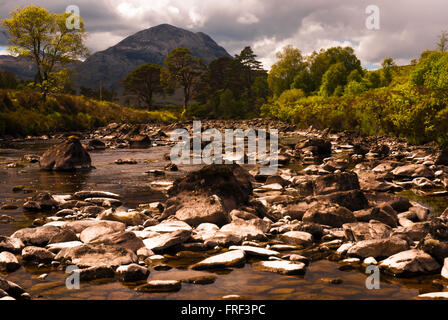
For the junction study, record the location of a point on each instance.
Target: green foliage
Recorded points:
(231, 88)
(45, 38)
(144, 82)
(335, 77)
(283, 73)
(182, 70)
(23, 112)
(356, 87)
(432, 72)
(414, 104)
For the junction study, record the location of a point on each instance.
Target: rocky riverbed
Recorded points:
(139, 227)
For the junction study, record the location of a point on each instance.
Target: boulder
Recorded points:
(297, 238)
(124, 239)
(11, 288)
(358, 231)
(282, 267)
(253, 229)
(378, 248)
(92, 233)
(93, 255)
(130, 218)
(233, 258)
(256, 251)
(9, 244)
(328, 214)
(139, 141)
(352, 200)
(436, 248)
(167, 226)
(413, 171)
(318, 147)
(8, 262)
(385, 214)
(336, 182)
(410, 263)
(132, 272)
(415, 231)
(203, 209)
(69, 155)
(95, 273)
(39, 236)
(232, 183)
(80, 225)
(167, 240)
(37, 255)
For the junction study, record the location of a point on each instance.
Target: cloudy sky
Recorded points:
(407, 27)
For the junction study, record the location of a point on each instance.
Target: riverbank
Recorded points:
(303, 233)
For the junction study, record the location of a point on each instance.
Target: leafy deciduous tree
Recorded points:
(282, 74)
(45, 38)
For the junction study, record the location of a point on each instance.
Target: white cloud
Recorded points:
(247, 18)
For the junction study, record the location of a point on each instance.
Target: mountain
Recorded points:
(110, 66)
(23, 68)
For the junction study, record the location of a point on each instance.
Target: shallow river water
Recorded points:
(134, 185)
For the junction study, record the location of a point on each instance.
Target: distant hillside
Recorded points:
(151, 45)
(21, 67)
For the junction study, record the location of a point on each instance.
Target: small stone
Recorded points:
(282, 267)
(160, 286)
(43, 276)
(132, 272)
(232, 258)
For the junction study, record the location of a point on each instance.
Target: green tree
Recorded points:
(182, 70)
(45, 38)
(388, 65)
(355, 75)
(282, 74)
(442, 45)
(432, 72)
(320, 62)
(303, 81)
(373, 79)
(335, 77)
(144, 82)
(356, 87)
(251, 67)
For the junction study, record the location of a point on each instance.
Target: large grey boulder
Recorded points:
(90, 255)
(410, 263)
(378, 248)
(67, 156)
(328, 214)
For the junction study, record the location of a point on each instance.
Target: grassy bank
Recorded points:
(22, 112)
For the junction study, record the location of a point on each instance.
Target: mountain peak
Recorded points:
(149, 45)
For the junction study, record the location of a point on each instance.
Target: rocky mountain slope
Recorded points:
(151, 45)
